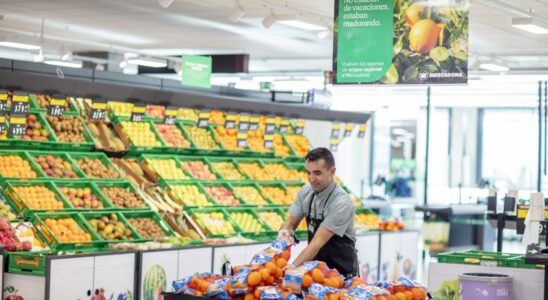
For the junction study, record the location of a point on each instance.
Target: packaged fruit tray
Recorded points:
(83, 196)
(214, 222)
(221, 193)
(188, 194)
(71, 133)
(249, 223)
(164, 167)
(66, 231)
(18, 164)
(41, 102)
(56, 165)
(28, 263)
(174, 137)
(26, 197)
(249, 193)
(96, 165)
(38, 135)
(140, 136)
(203, 139)
(148, 225)
(111, 227)
(198, 168)
(122, 195)
(227, 168)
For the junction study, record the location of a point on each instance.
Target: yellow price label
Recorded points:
(59, 102)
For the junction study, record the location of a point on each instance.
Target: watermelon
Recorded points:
(155, 279)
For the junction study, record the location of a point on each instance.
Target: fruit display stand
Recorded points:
(29, 197)
(18, 165)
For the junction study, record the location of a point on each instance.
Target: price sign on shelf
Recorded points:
(230, 121)
(243, 128)
(362, 130)
(170, 116)
(284, 125)
(335, 131)
(299, 129)
(254, 122)
(3, 104)
(138, 112)
(20, 104)
(269, 132)
(56, 107)
(98, 110)
(18, 125)
(203, 118)
(348, 129)
(334, 144)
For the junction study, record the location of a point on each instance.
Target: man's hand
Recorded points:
(283, 234)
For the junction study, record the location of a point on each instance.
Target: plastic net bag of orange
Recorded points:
(303, 276)
(204, 284)
(403, 288)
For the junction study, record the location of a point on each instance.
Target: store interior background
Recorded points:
(486, 131)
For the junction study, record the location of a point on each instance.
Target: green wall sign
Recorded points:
(196, 71)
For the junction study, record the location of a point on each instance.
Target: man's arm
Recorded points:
(321, 237)
(290, 224)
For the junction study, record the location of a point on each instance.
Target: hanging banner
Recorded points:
(170, 115)
(401, 42)
(196, 71)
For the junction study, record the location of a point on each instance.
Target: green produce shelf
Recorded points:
(219, 150)
(46, 235)
(184, 159)
(21, 207)
(206, 184)
(126, 185)
(107, 205)
(244, 198)
(169, 185)
(99, 156)
(153, 172)
(127, 216)
(135, 237)
(472, 257)
(64, 156)
(21, 143)
(26, 157)
(28, 263)
(206, 230)
(212, 160)
(70, 110)
(69, 146)
(173, 149)
(266, 232)
(137, 149)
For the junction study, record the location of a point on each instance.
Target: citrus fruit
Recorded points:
(265, 273)
(390, 297)
(412, 13)
(408, 295)
(400, 296)
(249, 296)
(317, 276)
(306, 281)
(281, 262)
(416, 293)
(257, 293)
(271, 267)
(255, 278)
(424, 36)
(286, 254)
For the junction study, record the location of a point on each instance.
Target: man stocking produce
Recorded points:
(329, 214)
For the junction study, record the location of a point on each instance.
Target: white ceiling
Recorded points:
(203, 27)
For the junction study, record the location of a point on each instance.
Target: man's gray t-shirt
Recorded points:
(338, 215)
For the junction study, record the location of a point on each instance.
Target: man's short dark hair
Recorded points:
(321, 153)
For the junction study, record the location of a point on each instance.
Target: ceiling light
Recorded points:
(494, 67)
(531, 25)
(123, 64)
(148, 62)
(165, 3)
(62, 63)
(302, 25)
(20, 46)
(237, 12)
(269, 20)
(67, 56)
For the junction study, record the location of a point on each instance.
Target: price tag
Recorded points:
(3, 104)
(300, 126)
(203, 118)
(348, 129)
(230, 121)
(20, 104)
(254, 122)
(284, 125)
(98, 110)
(335, 131)
(334, 145)
(362, 130)
(18, 125)
(170, 116)
(138, 112)
(243, 128)
(269, 132)
(56, 107)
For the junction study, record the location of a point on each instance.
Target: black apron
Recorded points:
(339, 252)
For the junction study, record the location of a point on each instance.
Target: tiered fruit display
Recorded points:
(391, 225)
(44, 100)
(123, 197)
(66, 230)
(188, 114)
(217, 117)
(166, 169)
(214, 223)
(228, 137)
(172, 136)
(120, 108)
(280, 148)
(105, 138)
(5, 210)
(202, 138)
(277, 195)
(140, 134)
(292, 191)
(365, 222)
(302, 175)
(278, 171)
(250, 195)
(9, 239)
(299, 143)
(68, 129)
(199, 170)
(227, 170)
(254, 171)
(94, 168)
(55, 166)
(247, 222)
(38, 197)
(222, 195)
(82, 198)
(255, 141)
(155, 111)
(133, 171)
(147, 228)
(14, 166)
(111, 228)
(189, 195)
(35, 131)
(272, 219)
